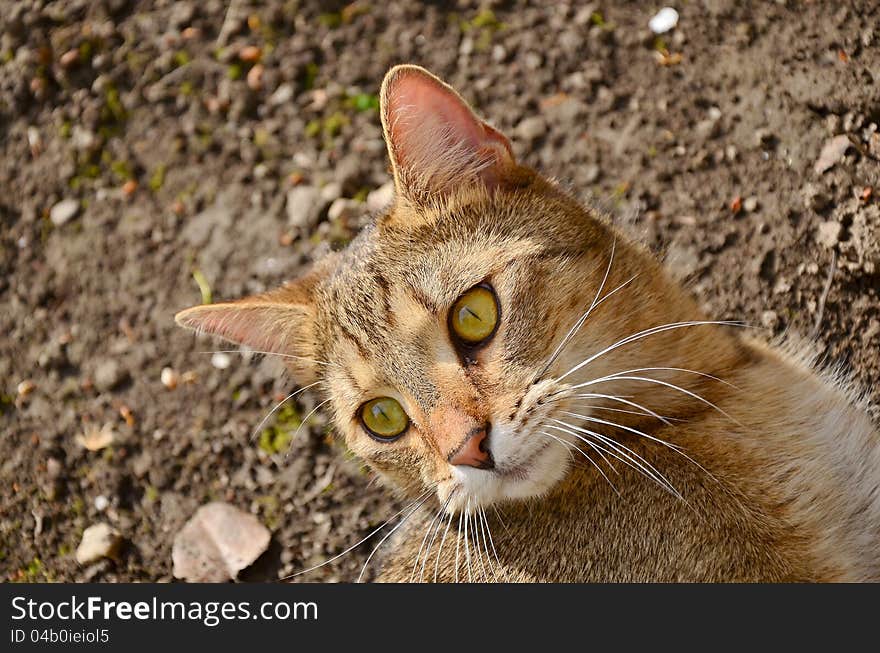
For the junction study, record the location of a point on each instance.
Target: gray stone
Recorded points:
(531, 128)
(828, 233)
(108, 375)
(64, 212)
(304, 207)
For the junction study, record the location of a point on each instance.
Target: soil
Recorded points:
(176, 160)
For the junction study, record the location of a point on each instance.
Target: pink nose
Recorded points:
(474, 451)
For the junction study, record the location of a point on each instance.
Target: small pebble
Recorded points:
(64, 212)
(98, 541)
(664, 20)
(169, 378)
(101, 503)
(221, 360)
(255, 77)
(250, 54)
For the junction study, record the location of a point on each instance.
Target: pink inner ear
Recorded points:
(435, 137)
(420, 106)
(260, 327)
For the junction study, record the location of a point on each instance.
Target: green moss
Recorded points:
(313, 128)
(274, 440)
(234, 71)
(334, 123)
(151, 494)
(277, 438)
(122, 170)
(157, 178)
(86, 50)
(181, 58)
(113, 108)
(362, 102)
(485, 18)
(310, 75)
(330, 20)
(186, 88)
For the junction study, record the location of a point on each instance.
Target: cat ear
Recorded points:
(280, 321)
(435, 141)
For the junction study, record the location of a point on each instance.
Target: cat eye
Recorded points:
(384, 418)
(474, 316)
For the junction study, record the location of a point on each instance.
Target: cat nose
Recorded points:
(474, 451)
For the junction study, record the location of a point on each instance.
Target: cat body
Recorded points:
(553, 405)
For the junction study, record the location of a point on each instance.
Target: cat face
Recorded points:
(440, 337)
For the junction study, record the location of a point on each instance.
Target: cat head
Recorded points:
(442, 335)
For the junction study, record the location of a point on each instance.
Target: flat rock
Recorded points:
(108, 375)
(831, 153)
(828, 233)
(98, 541)
(216, 543)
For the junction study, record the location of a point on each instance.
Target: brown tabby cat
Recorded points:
(505, 358)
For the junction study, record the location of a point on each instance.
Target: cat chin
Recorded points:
(481, 488)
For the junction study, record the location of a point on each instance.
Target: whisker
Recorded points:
(583, 318)
(434, 536)
(598, 420)
(667, 384)
(279, 405)
(440, 550)
(467, 548)
(479, 518)
(457, 543)
(627, 456)
(593, 462)
(627, 402)
(359, 542)
(492, 542)
(424, 541)
(644, 334)
(611, 410)
(389, 534)
(304, 422)
(244, 352)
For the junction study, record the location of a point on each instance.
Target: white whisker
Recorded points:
(279, 405)
(597, 449)
(440, 550)
(245, 352)
(614, 377)
(305, 420)
(644, 334)
(625, 455)
(361, 541)
(389, 534)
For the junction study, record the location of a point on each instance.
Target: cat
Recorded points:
(552, 404)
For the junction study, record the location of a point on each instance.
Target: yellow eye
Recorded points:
(384, 418)
(474, 315)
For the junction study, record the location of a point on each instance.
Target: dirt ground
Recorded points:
(151, 158)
